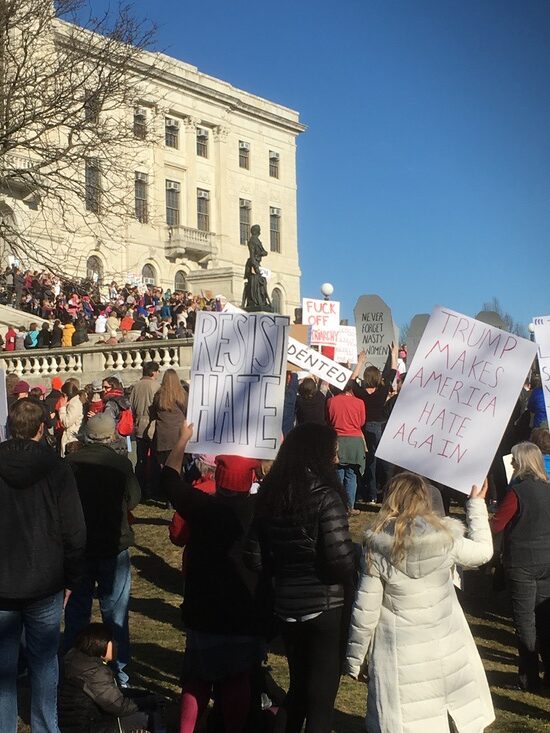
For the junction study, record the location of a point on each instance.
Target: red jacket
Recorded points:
(10, 340)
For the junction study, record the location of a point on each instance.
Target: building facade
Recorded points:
(220, 160)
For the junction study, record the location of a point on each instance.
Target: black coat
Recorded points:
(220, 592)
(527, 536)
(309, 558)
(41, 522)
(89, 700)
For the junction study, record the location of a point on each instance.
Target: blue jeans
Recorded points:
(373, 433)
(113, 579)
(41, 621)
(348, 476)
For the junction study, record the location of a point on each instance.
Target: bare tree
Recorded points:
(68, 84)
(511, 324)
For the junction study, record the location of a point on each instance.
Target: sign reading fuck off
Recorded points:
(237, 387)
(460, 391)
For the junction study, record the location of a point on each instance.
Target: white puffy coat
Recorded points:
(422, 659)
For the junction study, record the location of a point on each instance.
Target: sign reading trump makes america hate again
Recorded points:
(454, 406)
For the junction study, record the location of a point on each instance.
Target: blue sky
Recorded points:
(424, 175)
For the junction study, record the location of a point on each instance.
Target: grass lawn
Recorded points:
(158, 642)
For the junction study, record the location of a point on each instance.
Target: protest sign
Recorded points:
(414, 334)
(542, 338)
(346, 345)
(301, 333)
(237, 384)
(324, 318)
(3, 405)
(457, 399)
(315, 363)
(375, 329)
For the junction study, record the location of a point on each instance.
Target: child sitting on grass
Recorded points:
(89, 699)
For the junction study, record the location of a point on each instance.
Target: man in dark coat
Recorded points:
(43, 539)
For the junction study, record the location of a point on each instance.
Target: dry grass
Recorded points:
(158, 642)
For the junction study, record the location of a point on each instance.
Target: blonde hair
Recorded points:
(407, 499)
(528, 461)
(171, 393)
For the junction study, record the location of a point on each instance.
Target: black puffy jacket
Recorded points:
(89, 700)
(309, 558)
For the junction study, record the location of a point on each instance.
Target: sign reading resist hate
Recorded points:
(323, 316)
(457, 399)
(237, 384)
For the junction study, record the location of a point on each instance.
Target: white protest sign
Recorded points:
(324, 318)
(457, 399)
(237, 383)
(316, 363)
(375, 329)
(3, 405)
(542, 338)
(346, 345)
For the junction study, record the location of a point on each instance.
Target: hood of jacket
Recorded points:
(426, 548)
(25, 462)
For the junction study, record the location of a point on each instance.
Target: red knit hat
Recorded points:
(57, 383)
(235, 473)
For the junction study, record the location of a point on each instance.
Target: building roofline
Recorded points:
(156, 66)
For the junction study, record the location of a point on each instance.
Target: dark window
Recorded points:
(140, 190)
(202, 142)
(244, 220)
(275, 229)
(93, 186)
(273, 164)
(171, 133)
(92, 106)
(172, 203)
(94, 269)
(180, 283)
(140, 124)
(203, 210)
(149, 275)
(244, 155)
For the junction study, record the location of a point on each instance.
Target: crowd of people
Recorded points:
(74, 310)
(268, 552)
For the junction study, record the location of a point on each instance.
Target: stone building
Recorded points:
(221, 160)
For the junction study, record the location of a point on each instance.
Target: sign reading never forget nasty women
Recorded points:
(457, 399)
(237, 384)
(375, 329)
(542, 338)
(323, 317)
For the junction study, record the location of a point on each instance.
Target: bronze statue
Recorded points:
(255, 297)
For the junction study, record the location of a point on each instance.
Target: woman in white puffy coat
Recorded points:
(423, 665)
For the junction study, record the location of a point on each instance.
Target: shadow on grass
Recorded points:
(347, 722)
(152, 521)
(155, 570)
(157, 609)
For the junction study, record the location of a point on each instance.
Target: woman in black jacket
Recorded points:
(300, 538)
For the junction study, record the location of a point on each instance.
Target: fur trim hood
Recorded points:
(426, 548)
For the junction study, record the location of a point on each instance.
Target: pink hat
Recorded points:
(235, 473)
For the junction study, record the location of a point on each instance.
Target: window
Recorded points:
(180, 283)
(277, 300)
(149, 275)
(171, 133)
(203, 210)
(245, 208)
(140, 195)
(244, 155)
(140, 123)
(172, 203)
(202, 142)
(274, 229)
(92, 106)
(94, 270)
(93, 185)
(273, 164)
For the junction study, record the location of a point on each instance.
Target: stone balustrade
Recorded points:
(89, 362)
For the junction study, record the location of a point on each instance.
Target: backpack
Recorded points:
(125, 424)
(27, 343)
